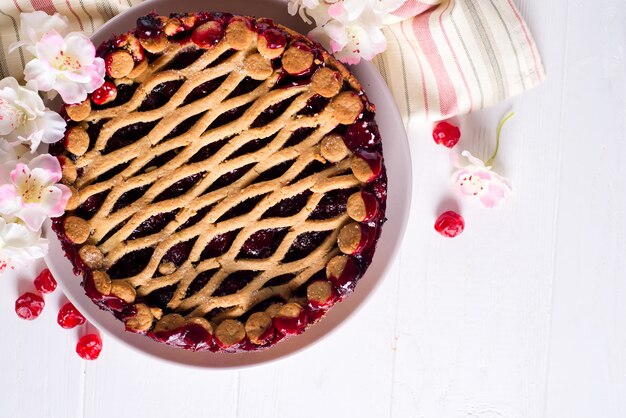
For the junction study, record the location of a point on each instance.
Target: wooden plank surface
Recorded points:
(522, 316)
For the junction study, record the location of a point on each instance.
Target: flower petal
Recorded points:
(292, 7)
(46, 169)
(15, 45)
(33, 216)
(35, 24)
(80, 48)
(54, 199)
(96, 74)
(50, 47)
(52, 125)
(20, 174)
(8, 200)
(7, 152)
(70, 91)
(11, 83)
(29, 132)
(41, 72)
(488, 200)
(354, 8)
(476, 161)
(19, 244)
(337, 11)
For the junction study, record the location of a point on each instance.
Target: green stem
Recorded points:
(489, 162)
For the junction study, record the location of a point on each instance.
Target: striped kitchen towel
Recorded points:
(447, 57)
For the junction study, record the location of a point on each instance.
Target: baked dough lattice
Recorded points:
(228, 189)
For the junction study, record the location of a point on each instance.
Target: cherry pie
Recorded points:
(228, 182)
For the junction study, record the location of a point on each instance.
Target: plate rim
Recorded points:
(341, 313)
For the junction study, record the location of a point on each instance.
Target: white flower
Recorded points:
(23, 116)
(18, 244)
(352, 28)
(295, 6)
(68, 65)
(32, 194)
(478, 181)
(305, 8)
(33, 26)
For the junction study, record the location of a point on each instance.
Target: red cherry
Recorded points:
(449, 224)
(446, 134)
(69, 317)
(89, 346)
(207, 34)
(44, 282)
(104, 94)
(361, 134)
(275, 38)
(29, 306)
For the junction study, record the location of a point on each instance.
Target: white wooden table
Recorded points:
(522, 316)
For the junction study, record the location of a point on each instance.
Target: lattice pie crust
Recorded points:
(174, 221)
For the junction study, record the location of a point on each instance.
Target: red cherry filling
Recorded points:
(275, 38)
(104, 94)
(361, 134)
(266, 336)
(149, 26)
(263, 243)
(207, 34)
(446, 134)
(192, 337)
(291, 319)
(371, 205)
(220, 17)
(89, 346)
(450, 224)
(44, 282)
(69, 317)
(29, 306)
(343, 272)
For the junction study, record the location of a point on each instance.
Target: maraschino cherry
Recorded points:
(446, 134)
(450, 224)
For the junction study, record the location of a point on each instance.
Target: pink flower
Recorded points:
(351, 29)
(33, 193)
(479, 181)
(68, 65)
(33, 26)
(23, 116)
(18, 244)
